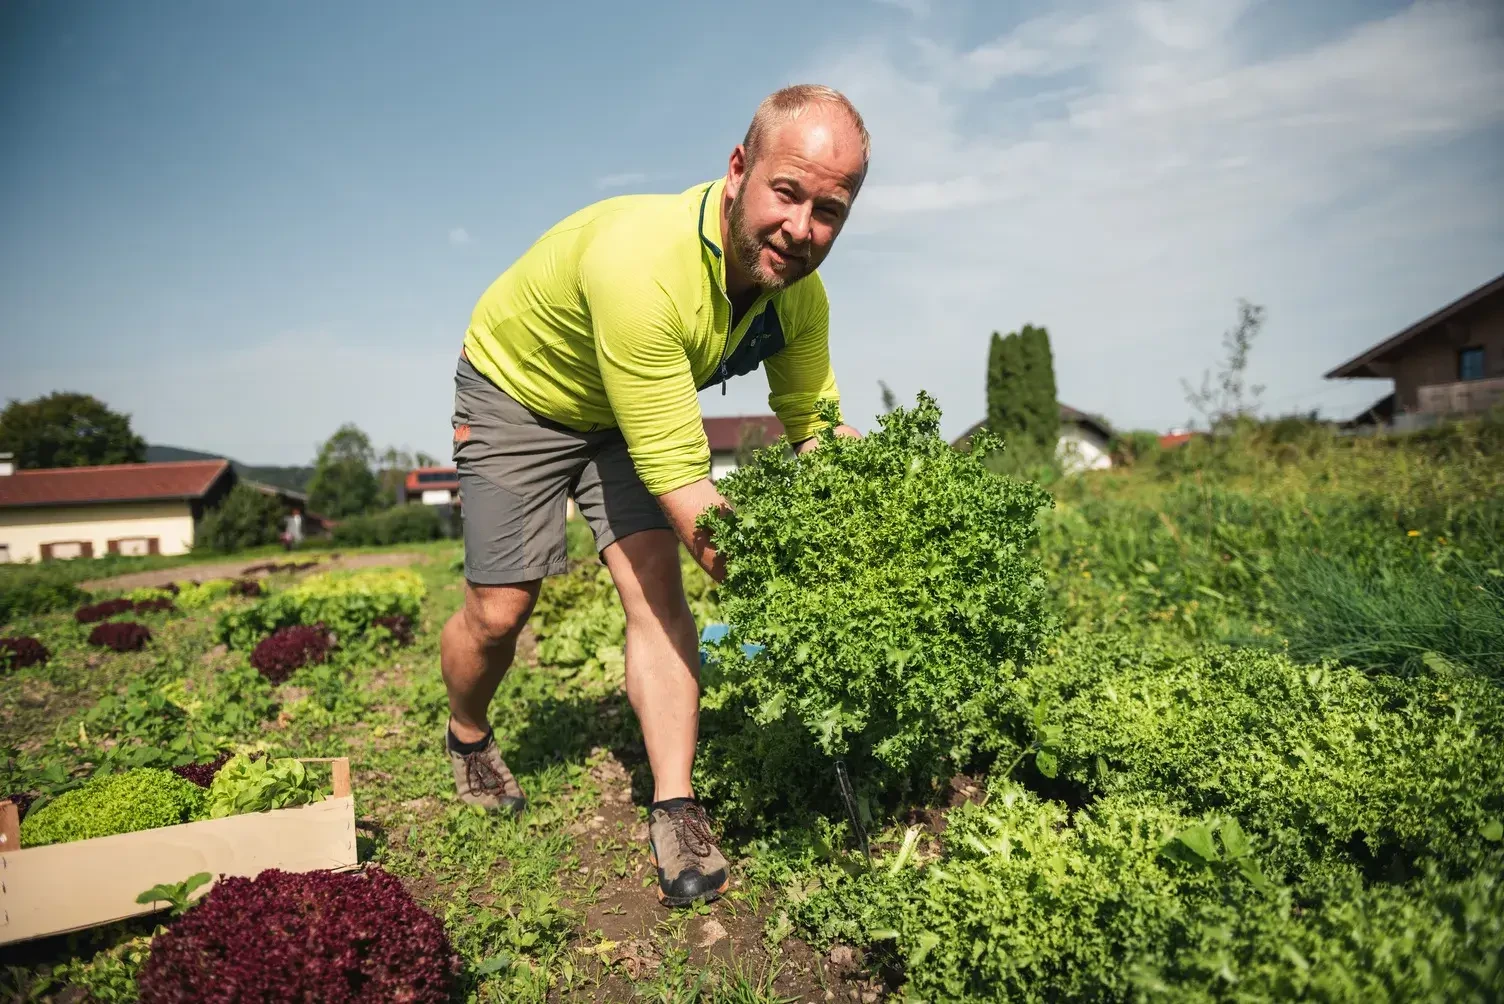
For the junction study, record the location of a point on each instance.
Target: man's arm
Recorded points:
(683, 506)
(647, 378)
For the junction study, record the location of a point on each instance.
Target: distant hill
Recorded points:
(292, 478)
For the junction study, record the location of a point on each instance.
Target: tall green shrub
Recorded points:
(398, 525)
(1021, 403)
(246, 518)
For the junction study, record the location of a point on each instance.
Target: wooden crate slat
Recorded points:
(58, 888)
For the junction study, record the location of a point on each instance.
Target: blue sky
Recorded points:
(245, 225)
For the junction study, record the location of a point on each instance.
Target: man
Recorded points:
(579, 378)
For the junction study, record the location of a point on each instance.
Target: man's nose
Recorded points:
(797, 223)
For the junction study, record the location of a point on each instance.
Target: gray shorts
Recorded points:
(517, 469)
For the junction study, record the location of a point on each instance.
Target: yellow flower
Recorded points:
(1413, 533)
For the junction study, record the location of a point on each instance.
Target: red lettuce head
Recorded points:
(20, 651)
(99, 611)
(202, 774)
(122, 636)
(150, 606)
(285, 936)
(400, 625)
(289, 648)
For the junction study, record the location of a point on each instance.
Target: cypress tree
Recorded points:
(1021, 403)
(1044, 409)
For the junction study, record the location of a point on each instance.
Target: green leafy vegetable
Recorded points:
(247, 785)
(108, 804)
(889, 584)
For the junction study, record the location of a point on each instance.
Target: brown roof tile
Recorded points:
(725, 434)
(187, 479)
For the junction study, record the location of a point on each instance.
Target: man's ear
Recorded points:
(736, 171)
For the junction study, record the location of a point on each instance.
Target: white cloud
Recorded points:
(620, 180)
(1123, 173)
(459, 237)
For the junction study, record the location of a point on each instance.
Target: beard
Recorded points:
(748, 248)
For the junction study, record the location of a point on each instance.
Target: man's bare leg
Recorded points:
(663, 660)
(476, 649)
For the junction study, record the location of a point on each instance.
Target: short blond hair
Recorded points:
(788, 103)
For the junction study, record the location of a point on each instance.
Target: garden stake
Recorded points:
(849, 797)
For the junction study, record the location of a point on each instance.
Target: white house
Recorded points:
(1084, 441)
(1084, 444)
(73, 512)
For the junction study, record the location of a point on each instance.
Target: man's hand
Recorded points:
(812, 442)
(683, 506)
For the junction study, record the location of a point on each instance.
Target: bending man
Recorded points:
(579, 377)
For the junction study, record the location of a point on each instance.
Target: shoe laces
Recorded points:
(692, 828)
(479, 768)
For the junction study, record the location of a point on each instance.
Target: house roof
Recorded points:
(725, 434)
(422, 479)
(1361, 365)
(1068, 416)
(187, 479)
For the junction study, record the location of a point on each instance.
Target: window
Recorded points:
(1470, 363)
(133, 546)
(4, 553)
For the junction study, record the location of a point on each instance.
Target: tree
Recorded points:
(1021, 401)
(1232, 399)
(890, 400)
(66, 429)
(245, 518)
(343, 483)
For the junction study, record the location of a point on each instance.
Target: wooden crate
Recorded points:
(68, 887)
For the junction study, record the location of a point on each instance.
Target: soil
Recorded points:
(629, 933)
(160, 577)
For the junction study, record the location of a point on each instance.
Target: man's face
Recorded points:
(789, 206)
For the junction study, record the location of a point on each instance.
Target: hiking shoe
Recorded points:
(483, 779)
(683, 849)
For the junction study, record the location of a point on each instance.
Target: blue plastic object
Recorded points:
(714, 632)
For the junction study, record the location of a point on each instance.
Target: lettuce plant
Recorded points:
(325, 936)
(889, 584)
(202, 774)
(20, 651)
(244, 784)
(102, 610)
(153, 605)
(122, 636)
(290, 648)
(346, 603)
(104, 805)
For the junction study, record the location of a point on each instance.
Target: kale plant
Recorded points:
(890, 584)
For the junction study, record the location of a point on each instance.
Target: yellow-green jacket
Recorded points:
(618, 316)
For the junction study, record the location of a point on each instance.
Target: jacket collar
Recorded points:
(710, 229)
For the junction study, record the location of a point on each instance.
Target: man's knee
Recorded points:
(645, 567)
(496, 614)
